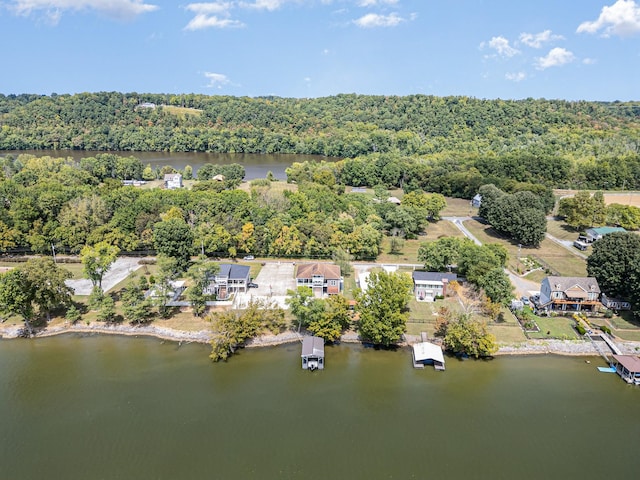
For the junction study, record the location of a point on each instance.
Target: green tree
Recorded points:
(304, 306)
(200, 274)
(441, 255)
(96, 261)
(168, 271)
(497, 286)
(383, 307)
(17, 296)
(173, 238)
(615, 263)
(107, 310)
(334, 319)
(48, 280)
(136, 308)
(466, 335)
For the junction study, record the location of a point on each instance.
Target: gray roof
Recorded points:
(433, 276)
(312, 346)
(561, 284)
(235, 272)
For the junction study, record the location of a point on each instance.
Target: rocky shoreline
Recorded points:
(530, 347)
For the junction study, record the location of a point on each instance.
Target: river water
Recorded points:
(102, 407)
(256, 165)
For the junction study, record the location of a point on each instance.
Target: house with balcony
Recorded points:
(427, 286)
(323, 278)
(568, 294)
(230, 279)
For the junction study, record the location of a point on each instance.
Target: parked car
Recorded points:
(248, 257)
(525, 300)
(252, 285)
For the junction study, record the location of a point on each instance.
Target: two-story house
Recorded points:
(575, 294)
(428, 286)
(172, 181)
(323, 278)
(230, 279)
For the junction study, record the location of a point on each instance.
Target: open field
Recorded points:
(458, 207)
(558, 257)
(409, 253)
(181, 111)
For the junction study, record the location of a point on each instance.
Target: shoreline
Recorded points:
(529, 347)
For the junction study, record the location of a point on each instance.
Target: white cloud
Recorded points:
(212, 15)
(216, 80)
(555, 58)
(516, 77)
(269, 5)
(373, 3)
(501, 46)
(622, 19)
(372, 20)
(53, 9)
(536, 40)
(589, 61)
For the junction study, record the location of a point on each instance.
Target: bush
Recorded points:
(581, 330)
(605, 329)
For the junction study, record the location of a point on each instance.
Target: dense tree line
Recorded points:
(462, 139)
(52, 203)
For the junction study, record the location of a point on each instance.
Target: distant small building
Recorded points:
(150, 105)
(323, 278)
(427, 286)
(172, 181)
(394, 200)
(615, 303)
(476, 201)
(427, 353)
(596, 233)
(312, 353)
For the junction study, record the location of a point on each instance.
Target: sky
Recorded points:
(509, 49)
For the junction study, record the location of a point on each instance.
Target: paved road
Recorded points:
(458, 222)
(121, 269)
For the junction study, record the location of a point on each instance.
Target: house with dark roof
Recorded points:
(573, 294)
(323, 278)
(427, 286)
(230, 279)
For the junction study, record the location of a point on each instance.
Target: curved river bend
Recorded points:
(123, 408)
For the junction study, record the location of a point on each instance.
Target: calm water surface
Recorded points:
(123, 408)
(256, 165)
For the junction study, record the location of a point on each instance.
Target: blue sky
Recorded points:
(510, 49)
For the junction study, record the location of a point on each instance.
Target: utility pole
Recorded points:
(53, 251)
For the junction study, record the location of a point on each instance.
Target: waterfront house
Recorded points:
(628, 367)
(172, 181)
(427, 353)
(323, 278)
(575, 294)
(427, 286)
(312, 353)
(230, 279)
(596, 233)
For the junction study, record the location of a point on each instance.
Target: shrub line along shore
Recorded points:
(530, 347)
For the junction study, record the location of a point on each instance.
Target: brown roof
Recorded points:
(630, 362)
(327, 270)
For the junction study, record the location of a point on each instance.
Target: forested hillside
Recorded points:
(557, 143)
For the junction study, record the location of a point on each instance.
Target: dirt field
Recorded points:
(630, 198)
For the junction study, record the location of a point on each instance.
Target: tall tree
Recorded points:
(383, 307)
(97, 260)
(200, 274)
(48, 280)
(173, 238)
(17, 296)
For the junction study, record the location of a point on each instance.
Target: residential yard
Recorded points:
(554, 327)
(557, 257)
(458, 207)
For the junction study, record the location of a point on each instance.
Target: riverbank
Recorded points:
(530, 347)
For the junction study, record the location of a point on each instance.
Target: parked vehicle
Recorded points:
(252, 285)
(525, 300)
(248, 257)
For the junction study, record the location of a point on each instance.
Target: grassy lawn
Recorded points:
(558, 257)
(560, 230)
(555, 327)
(458, 207)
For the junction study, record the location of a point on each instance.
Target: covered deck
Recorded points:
(312, 353)
(628, 367)
(426, 353)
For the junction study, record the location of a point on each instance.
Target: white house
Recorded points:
(231, 278)
(569, 293)
(172, 181)
(428, 286)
